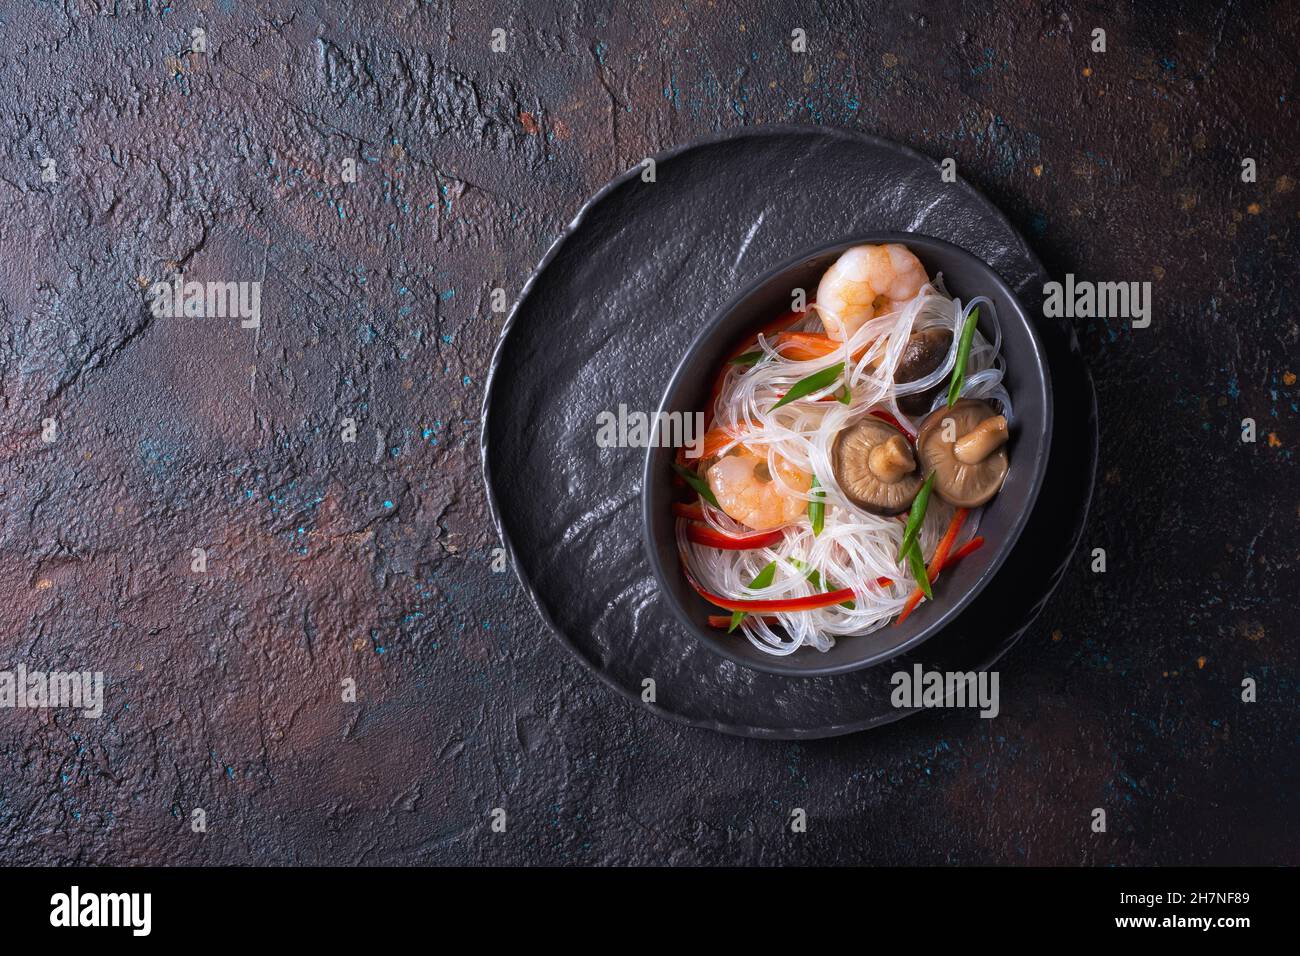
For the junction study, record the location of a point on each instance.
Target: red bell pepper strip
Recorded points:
(712, 538)
(691, 512)
(810, 603)
(723, 621)
(974, 544)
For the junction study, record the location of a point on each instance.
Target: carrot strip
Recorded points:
(803, 346)
(691, 512)
(974, 544)
(716, 439)
(777, 326)
(772, 328)
(940, 561)
(946, 542)
(910, 606)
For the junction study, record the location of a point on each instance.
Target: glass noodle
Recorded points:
(855, 548)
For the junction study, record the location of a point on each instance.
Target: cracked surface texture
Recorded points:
(371, 559)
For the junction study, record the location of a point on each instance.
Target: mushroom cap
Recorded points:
(924, 352)
(966, 486)
(850, 458)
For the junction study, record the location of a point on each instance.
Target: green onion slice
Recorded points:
(918, 570)
(813, 383)
(817, 509)
(914, 520)
(761, 580)
(963, 356)
(698, 483)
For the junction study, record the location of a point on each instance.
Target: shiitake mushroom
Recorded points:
(924, 352)
(874, 466)
(969, 459)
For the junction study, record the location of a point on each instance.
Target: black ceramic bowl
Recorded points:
(1027, 379)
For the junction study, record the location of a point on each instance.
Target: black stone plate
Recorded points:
(603, 322)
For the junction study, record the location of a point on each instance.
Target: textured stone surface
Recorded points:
(370, 560)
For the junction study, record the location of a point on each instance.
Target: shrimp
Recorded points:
(865, 279)
(744, 486)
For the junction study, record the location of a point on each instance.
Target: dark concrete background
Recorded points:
(371, 560)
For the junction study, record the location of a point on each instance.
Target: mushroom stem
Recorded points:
(891, 460)
(981, 441)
